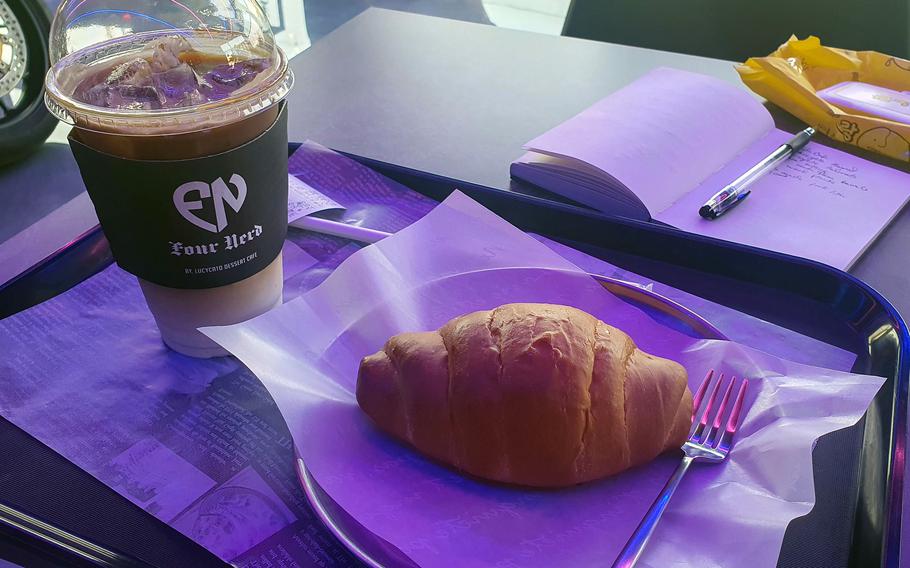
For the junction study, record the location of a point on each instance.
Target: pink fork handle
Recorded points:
(636, 544)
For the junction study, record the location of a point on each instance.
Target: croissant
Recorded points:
(531, 394)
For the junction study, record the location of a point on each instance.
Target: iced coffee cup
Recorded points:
(179, 130)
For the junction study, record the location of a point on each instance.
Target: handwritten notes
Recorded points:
(816, 169)
(821, 204)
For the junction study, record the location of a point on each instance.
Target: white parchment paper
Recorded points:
(460, 258)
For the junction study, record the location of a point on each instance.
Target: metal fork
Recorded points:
(708, 441)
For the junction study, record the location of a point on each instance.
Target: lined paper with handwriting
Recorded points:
(822, 203)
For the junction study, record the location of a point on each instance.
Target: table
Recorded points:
(453, 99)
(459, 100)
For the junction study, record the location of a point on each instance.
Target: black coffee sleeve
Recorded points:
(196, 223)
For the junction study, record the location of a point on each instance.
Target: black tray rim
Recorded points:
(898, 424)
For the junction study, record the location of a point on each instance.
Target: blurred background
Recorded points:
(299, 23)
(724, 29)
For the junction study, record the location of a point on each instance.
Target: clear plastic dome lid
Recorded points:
(173, 65)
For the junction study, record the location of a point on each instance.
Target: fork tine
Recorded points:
(696, 402)
(733, 422)
(725, 436)
(712, 402)
(719, 417)
(709, 386)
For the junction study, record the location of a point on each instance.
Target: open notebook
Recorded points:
(663, 145)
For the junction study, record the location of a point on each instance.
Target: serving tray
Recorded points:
(859, 470)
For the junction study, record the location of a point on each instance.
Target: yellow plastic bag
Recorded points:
(791, 76)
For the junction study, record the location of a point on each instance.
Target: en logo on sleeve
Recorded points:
(218, 192)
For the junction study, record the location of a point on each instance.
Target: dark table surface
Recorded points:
(454, 99)
(459, 100)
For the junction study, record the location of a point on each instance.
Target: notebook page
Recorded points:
(663, 134)
(821, 204)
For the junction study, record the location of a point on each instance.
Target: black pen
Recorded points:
(737, 190)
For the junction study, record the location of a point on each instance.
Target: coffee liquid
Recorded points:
(173, 74)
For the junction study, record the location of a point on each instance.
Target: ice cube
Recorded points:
(236, 75)
(166, 52)
(175, 83)
(133, 72)
(127, 86)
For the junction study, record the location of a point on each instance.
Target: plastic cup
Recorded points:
(225, 36)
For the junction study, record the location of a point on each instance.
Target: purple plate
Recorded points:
(377, 552)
